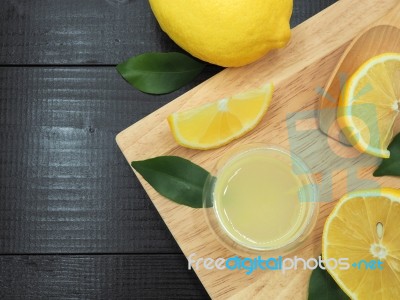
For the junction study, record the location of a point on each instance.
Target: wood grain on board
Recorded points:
(298, 72)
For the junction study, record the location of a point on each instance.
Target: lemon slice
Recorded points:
(215, 124)
(364, 226)
(369, 104)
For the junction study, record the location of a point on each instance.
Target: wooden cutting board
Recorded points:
(299, 72)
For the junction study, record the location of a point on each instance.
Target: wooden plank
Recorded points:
(98, 277)
(91, 31)
(64, 186)
(298, 72)
(59, 200)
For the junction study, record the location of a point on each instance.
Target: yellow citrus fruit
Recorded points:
(225, 32)
(217, 123)
(364, 227)
(369, 104)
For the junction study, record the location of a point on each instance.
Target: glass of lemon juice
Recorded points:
(261, 198)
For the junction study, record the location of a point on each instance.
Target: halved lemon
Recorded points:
(369, 104)
(364, 227)
(215, 124)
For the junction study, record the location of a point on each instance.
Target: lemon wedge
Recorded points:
(369, 104)
(217, 123)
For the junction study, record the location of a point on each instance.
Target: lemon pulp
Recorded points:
(364, 226)
(217, 123)
(258, 200)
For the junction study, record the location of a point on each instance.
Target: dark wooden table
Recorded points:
(74, 221)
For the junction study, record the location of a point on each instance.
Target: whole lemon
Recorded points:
(229, 33)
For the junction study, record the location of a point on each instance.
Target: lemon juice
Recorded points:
(261, 200)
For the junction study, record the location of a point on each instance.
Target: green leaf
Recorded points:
(391, 166)
(175, 178)
(322, 286)
(160, 73)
